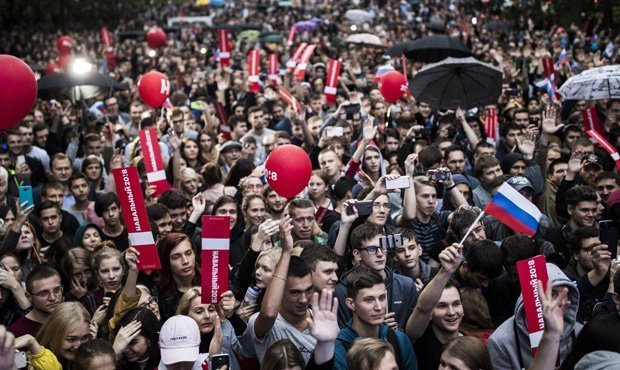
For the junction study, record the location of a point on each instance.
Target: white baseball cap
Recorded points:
(179, 340)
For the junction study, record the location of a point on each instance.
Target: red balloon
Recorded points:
(288, 170)
(64, 44)
(51, 68)
(154, 88)
(393, 85)
(156, 38)
(18, 91)
(64, 61)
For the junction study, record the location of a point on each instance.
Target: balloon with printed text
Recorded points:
(64, 44)
(288, 169)
(18, 90)
(154, 88)
(156, 38)
(393, 86)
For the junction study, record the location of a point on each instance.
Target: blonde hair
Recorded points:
(420, 181)
(367, 353)
(272, 254)
(189, 296)
(63, 319)
(104, 254)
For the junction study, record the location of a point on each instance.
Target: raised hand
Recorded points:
(131, 258)
(286, 226)
(227, 303)
(324, 322)
(450, 258)
(553, 308)
(22, 213)
(198, 203)
(574, 163)
(369, 130)
(548, 121)
(345, 217)
(125, 335)
(410, 163)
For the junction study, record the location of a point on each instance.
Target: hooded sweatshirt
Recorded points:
(507, 347)
(599, 360)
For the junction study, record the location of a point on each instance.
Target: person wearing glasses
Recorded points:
(44, 291)
(367, 251)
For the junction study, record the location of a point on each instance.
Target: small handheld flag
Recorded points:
(331, 85)
(514, 210)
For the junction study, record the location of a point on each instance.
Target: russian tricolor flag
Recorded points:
(514, 210)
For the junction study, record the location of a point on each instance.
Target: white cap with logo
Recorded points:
(179, 340)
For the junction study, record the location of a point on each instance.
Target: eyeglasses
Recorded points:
(151, 302)
(46, 293)
(372, 249)
(386, 206)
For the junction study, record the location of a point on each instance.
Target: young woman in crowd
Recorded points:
(190, 151)
(208, 151)
(108, 267)
(77, 265)
(136, 341)
(253, 207)
(88, 236)
(318, 190)
(97, 354)
(13, 301)
(190, 182)
(93, 169)
(465, 353)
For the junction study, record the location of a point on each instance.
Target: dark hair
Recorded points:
(607, 175)
(282, 355)
(342, 187)
(211, 174)
(298, 268)
(157, 211)
(40, 272)
(105, 200)
(295, 204)
(429, 156)
(91, 349)
(164, 280)
(450, 149)
(580, 193)
(516, 248)
(556, 162)
(362, 278)
(477, 315)
(39, 127)
(76, 176)
(510, 126)
(318, 253)
(51, 185)
(461, 220)
(235, 120)
(242, 168)
(599, 334)
(254, 109)
(579, 235)
(224, 199)
(149, 329)
(406, 233)
(363, 232)
(485, 257)
(47, 204)
(484, 162)
(173, 200)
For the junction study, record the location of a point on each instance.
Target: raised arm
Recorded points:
(450, 259)
(272, 300)
(469, 132)
(409, 202)
(346, 220)
(324, 325)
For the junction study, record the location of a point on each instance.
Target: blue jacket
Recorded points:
(404, 350)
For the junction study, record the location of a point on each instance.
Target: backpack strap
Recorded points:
(391, 339)
(345, 344)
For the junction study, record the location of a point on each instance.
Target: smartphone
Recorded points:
(511, 93)
(20, 160)
(392, 241)
(438, 175)
(363, 208)
(25, 196)
(219, 361)
(401, 182)
(608, 235)
(334, 131)
(351, 109)
(20, 360)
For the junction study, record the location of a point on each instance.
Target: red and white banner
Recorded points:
(273, 68)
(491, 128)
(331, 84)
(293, 61)
(530, 272)
(215, 252)
(221, 115)
(136, 220)
(289, 99)
(155, 172)
(590, 120)
(253, 78)
(613, 152)
(108, 48)
(224, 46)
(300, 70)
(549, 70)
(291, 36)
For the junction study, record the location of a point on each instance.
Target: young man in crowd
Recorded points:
(108, 207)
(305, 227)
(276, 204)
(323, 263)
(605, 183)
(408, 258)
(160, 216)
(367, 301)
(487, 169)
(483, 263)
(546, 202)
(50, 217)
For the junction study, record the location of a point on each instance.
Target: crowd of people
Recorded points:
(313, 284)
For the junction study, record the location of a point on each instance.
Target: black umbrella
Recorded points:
(77, 86)
(435, 48)
(438, 27)
(457, 83)
(399, 49)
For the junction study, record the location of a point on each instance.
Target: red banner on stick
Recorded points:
(215, 252)
(491, 128)
(300, 70)
(224, 46)
(291, 36)
(613, 152)
(155, 172)
(108, 48)
(530, 272)
(253, 71)
(289, 99)
(293, 61)
(331, 85)
(590, 120)
(134, 214)
(273, 68)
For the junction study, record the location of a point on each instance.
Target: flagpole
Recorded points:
(471, 228)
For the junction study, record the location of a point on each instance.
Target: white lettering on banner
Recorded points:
(132, 203)
(215, 268)
(149, 145)
(165, 86)
(537, 303)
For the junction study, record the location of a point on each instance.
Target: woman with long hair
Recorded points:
(253, 207)
(179, 271)
(208, 151)
(109, 270)
(213, 183)
(28, 248)
(77, 266)
(97, 354)
(88, 236)
(136, 341)
(465, 353)
(64, 331)
(93, 169)
(318, 190)
(190, 151)
(13, 302)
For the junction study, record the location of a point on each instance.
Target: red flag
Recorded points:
(491, 128)
(293, 61)
(613, 152)
(331, 84)
(220, 113)
(110, 54)
(530, 272)
(273, 68)
(134, 214)
(590, 120)
(155, 172)
(291, 36)
(224, 46)
(303, 62)
(289, 99)
(215, 252)
(253, 71)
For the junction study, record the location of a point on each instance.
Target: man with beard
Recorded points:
(454, 157)
(275, 203)
(546, 203)
(44, 291)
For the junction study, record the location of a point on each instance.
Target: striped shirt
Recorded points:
(427, 235)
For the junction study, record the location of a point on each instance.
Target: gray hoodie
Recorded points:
(599, 360)
(503, 346)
